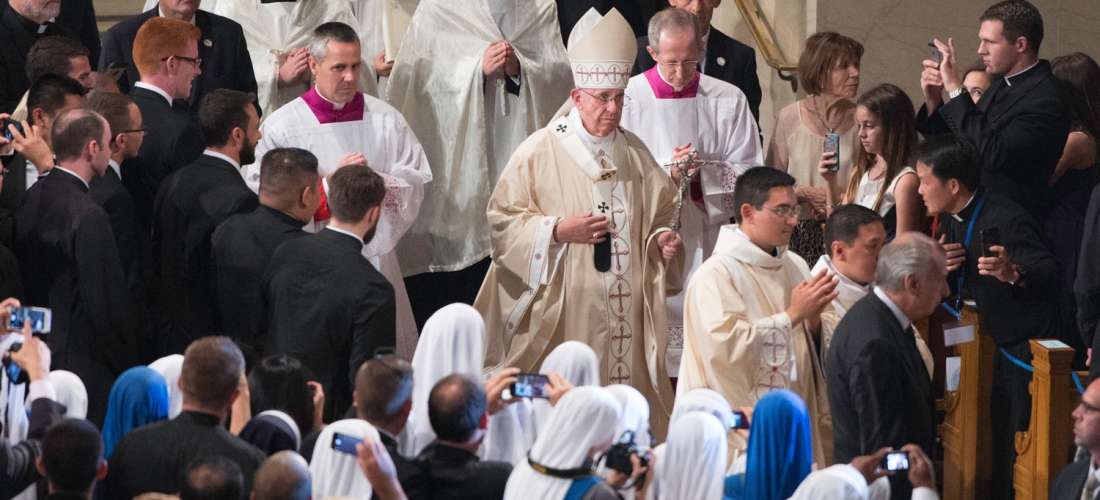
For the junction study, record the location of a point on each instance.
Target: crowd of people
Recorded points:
(544, 252)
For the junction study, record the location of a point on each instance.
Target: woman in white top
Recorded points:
(882, 178)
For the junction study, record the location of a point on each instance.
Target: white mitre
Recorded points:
(602, 51)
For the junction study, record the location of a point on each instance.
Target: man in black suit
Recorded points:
(191, 203)
(880, 393)
(725, 58)
(154, 458)
(457, 409)
(323, 285)
(240, 248)
(78, 16)
(383, 397)
(1015, 282)
(1080, 476)
(1086, 288)
(223, 56)
(69, 262)
(1019, 125)
(22, 24)
(168, 62)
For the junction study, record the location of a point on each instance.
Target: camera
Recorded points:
(15, 374)
(618, 457)
(895, 461)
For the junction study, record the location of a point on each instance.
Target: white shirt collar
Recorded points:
(335, 105)
(349, 233)
(160, 12)
(114, 166)
(1009, 82)
(218, 155)
(968, 202)
(703, 55)
(901, 317)
(154, 88)
(663, 79)
(70, 172)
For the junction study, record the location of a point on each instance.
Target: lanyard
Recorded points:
(966, 246)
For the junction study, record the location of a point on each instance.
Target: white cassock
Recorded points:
(468, 122)
(373, 128)
(714, 117)
(272, 30)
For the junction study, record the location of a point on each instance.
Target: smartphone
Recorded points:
(40, 317)
(18, 127)
(345, 443)
(832, 145)
(897, 460)
(990, 238)
(933, 52)
(531, 385)
(740, 421)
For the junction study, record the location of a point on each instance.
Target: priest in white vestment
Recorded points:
(580, 246)
(854, 236)
(472, 91)
(342, 126)
(676, 110)
(752, 309)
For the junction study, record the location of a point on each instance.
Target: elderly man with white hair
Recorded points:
(579, 244)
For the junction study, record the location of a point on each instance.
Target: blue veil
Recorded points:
(780, 452)
(139, 397)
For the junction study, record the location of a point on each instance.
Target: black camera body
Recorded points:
(15, 374)
(618, 456)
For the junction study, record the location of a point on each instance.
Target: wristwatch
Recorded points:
(958, 92)
(1020, 276)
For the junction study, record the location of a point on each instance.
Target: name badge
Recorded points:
(958, 333)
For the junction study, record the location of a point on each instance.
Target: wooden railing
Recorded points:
(1047, 446)
(764, 37)
(966, 433)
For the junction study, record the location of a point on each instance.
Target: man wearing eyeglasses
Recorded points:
(753, 311)
(580, 245)
(1081, 479)
(680, 113)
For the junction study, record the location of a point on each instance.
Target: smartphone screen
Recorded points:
(894, 461)
(345, 443)
(832, 145)
(40, 318)
(531, 385)
(740, 421)
(990, 238)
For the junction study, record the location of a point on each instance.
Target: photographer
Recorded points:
(17, 462)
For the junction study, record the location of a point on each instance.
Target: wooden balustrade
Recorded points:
(1047, 446)
(966, 434)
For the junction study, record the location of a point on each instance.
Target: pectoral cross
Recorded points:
(620, 296)
(603, 207)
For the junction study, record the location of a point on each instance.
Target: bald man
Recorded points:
(283, 476)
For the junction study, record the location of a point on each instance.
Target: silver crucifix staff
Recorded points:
(687, 174)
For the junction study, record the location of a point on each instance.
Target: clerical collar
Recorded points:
(327, 111)
(160, 12)
(901, 317)
(30, 26)
(70, 172)
(964, 214)
(114, 166)
(590, 141)
(1019, 76)
(154, 88)
(349, 233)
(847, 282)
(664, 90)
(236, 164)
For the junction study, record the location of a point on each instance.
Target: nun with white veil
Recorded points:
(576, 363)
(580, 426)
(635, 419)
(335, 473)
(71, 393)
(841, 482)
(170, 367)
(706, 401)
(692, 466)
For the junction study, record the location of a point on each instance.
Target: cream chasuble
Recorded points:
(369, 126)
(714, 117)
(469, 124)
(539, 293)
(739, 341)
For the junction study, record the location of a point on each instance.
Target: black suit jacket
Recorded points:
(240, 249)
(17, 469)
(78, 16)
(455, 474)
(225, 61)
(191, 203)
(108, 192)
(1071, 481)
(172, 142)
(69, 263)
(410, 472)
(15, 182)
(1020, 132)
(323, 285)
(154, 457)
(879, 390)
(738, 65)
(18, 34)
(1086, 288)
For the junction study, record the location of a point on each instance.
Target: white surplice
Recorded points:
(718, 124)
(391, 149)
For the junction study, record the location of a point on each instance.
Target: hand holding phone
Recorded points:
(740, 421)
(531, 385)
(41, 319)
(7, 132)
(345, 444)
(832, 146)
(990, 238)
(934, 53)
(895, 461)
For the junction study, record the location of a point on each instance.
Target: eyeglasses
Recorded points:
(197, 61)
(621, 100)
(1087, 406)
(686, 65)
(143, 130)
(784, 210)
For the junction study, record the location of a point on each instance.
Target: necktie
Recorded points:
(1090, 487)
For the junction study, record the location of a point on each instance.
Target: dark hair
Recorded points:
(71, 454)
(950, 158)
(755, 185)
(382, 386)
(455, 407)
(893, 108)
(211, 372)
(52, 55)
(73, 130)
(115, 108)
(283, 476)
(49, 92)
(212, 478)
(1078, 76)
(844, 223)
(220, 112)
(330, 32)
(279, 383)
(1018, 19)
(285, 172)
(823, 52)
(353, 190)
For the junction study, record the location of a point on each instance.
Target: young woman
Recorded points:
(883, 178)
